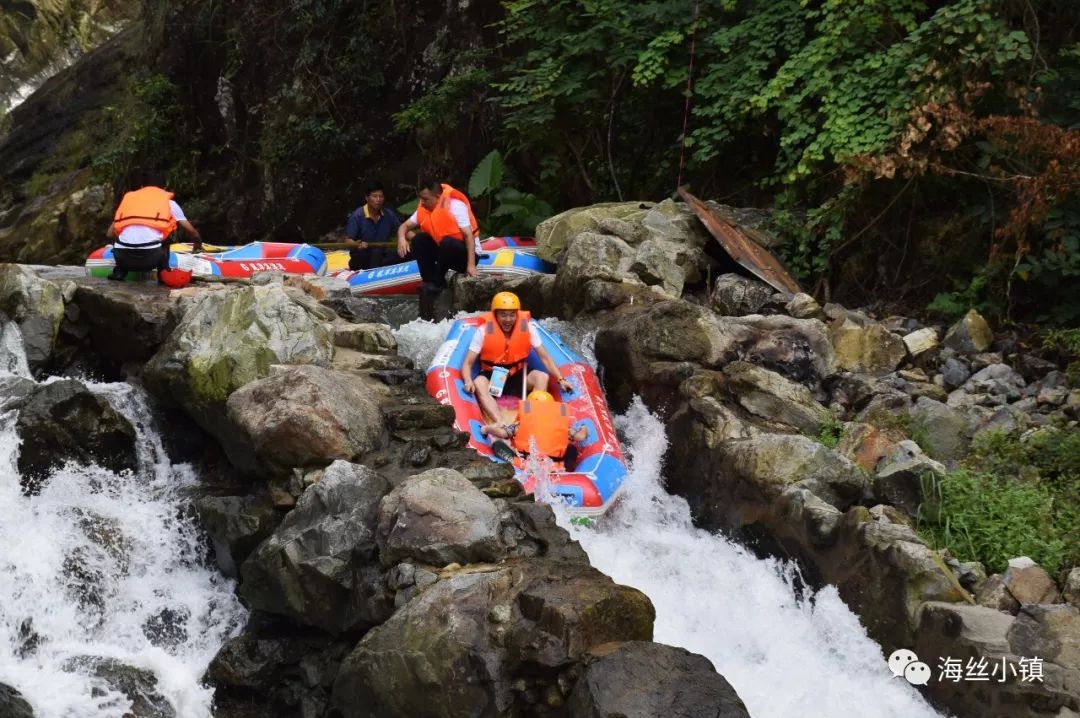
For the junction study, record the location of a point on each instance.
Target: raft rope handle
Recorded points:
(689, 93)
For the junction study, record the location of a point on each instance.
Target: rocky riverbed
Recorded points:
(389, 571)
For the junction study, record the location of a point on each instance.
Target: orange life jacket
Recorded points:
(506, 351)
(146, 207)
(439, 222)
(548, 422)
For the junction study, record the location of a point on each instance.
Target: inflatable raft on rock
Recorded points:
(501, 256)
(587, 488)
(240, 262)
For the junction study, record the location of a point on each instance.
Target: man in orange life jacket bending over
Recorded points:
(143, 222)
(548, 423)
(505, 340)
(447, 234)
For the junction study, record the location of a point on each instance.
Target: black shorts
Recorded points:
(513, 385)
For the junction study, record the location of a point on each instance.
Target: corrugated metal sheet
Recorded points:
(737, 242)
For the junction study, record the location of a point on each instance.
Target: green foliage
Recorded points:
(579, 87)
(1016, 495)
(991, 519)
(832, 429)
(510, 211)
(1055, 272)
(1067, 340)
(955, 304)
(145, 128)
(488, 175)
(439, 110)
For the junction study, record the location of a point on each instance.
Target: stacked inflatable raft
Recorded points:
(502, 256)
(239, 262)
(587, 488)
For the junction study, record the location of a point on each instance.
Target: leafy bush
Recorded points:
(1015, 496)
(832, 429)
(510, 211)
(145, 128)
(991, 519)
(955, 304)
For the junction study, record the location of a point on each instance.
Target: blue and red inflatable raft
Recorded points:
(502, 256)
(587, 488)
(239, 262)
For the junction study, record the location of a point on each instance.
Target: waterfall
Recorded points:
(107, 569)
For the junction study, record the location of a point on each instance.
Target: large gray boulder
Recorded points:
(365, 337)
(36, 305)
(666, 265)
(773, 397)
(901, 476)
(863, 345)
(556, 234)
(126, 321)
(438, 517)
(236, 525)
(650, 679)
(12, 704)
(65, 421)
(736, 295)
(302, 416)
(943, 432)
(1009, 647)
(799, 349)
(647, 349)
(591, 258)
(767, 464)
(456, 649)
(970, 335)
(228, 339)
(319, 566)
(998, 380)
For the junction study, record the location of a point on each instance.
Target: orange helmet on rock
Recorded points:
(175, 278)
(540, 395)
(505, 300)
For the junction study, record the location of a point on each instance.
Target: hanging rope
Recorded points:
(689, 92)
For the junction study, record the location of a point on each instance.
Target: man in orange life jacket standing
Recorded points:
(142, 223)
(447, 234)
(504, 340)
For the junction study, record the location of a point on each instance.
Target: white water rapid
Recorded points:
(106, 569)
(784, 654)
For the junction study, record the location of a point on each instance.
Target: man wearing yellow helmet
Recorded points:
(505, 340)
(545, 422)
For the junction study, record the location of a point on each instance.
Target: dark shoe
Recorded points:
(117, 274)
(503, 450)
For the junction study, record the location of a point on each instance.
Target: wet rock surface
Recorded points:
(63, 421)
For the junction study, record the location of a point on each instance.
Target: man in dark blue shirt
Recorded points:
(371, 223)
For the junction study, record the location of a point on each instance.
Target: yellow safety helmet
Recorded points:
(505, 300)
(539, 395)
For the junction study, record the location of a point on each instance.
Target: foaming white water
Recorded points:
(108, 566)
(12, 356)
(784, 654)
